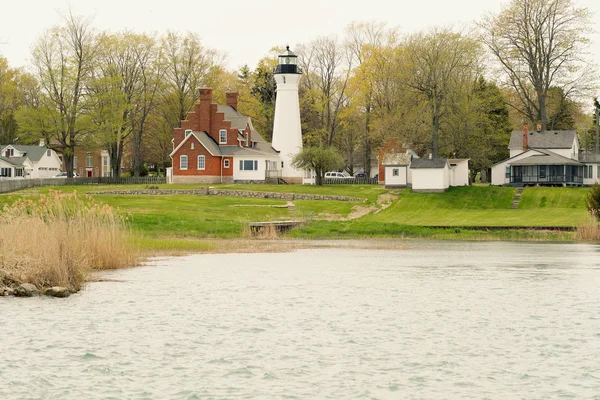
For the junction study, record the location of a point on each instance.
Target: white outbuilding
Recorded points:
(397, 171)
(430, 174)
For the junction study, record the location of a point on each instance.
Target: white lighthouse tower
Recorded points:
(287, 132)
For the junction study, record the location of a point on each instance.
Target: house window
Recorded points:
(590, 171)
(192, 146)
(74, 162)
(105, 161)
(18, 171)
(48, 152)
(222, 136)
(6, 172)
(201, 162)
(89, 161)
(282, 165)
(542, 171)
(188, 132)
(395, 172)
(248, 165)
(507, 173)
(226, 163)
(183, 162)
(10, 152)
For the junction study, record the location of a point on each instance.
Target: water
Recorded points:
(437, 320)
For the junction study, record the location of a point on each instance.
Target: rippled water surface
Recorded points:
(437, 320)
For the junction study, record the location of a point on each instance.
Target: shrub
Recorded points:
(593, 201)
(59, 239)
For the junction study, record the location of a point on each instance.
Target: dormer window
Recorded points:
(188, 132)
(223, 136)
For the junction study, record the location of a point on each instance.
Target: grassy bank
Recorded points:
(180, 223)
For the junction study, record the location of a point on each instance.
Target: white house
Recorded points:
(17, 161)
(546, 158)
(430, 174)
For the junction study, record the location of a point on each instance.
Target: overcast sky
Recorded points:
(244, 30)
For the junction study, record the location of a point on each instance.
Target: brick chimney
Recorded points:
(525, 137)
(203, 110)
(232, 99)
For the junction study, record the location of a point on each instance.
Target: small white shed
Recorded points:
(397, 171)
(430, 174)
(459, 171)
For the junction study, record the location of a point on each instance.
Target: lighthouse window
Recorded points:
(222, 136)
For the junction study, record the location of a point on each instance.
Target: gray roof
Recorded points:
(35, 153)
(208, 142)
(238, 120)
(428, 163)
(589, 157)
(16, 161)
(543, 140)
(396, 159)
(263, 148)
(546, 158)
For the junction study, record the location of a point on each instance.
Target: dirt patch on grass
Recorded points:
(383, 201)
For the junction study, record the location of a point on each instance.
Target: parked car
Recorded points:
(360, 175)
(64, 175)
(336, 175)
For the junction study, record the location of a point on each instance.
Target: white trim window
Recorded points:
(201, 162)
(248, 165)
(188, 132)
(222, 136)
(226, 163)
(396, 172)
(183, 162)
(192, 146)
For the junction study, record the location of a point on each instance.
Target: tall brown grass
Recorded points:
(59, 239)
(588, 231)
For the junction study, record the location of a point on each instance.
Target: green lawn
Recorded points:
(194, 216)
(189, 216)
(487, 206)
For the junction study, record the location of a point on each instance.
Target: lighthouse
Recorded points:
(287, 132)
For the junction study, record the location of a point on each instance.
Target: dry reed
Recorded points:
(589, 231)
(59, 239)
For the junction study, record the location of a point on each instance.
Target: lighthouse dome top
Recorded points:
(288, 63)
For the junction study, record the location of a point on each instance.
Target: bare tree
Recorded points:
(540, 44)
(327, 66)
(439, 63)
(63, 60)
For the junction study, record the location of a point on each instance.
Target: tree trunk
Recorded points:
(543, 113)
(137, 150)
(436, 129)
(68, 160)
(367, 150)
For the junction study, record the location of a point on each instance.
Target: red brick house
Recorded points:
(217, 144)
